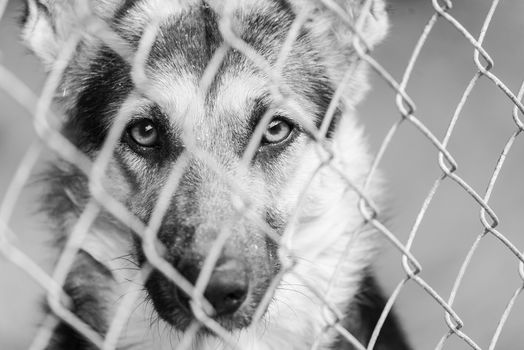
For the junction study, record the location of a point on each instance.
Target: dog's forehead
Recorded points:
(191, 31)
(189, 108)
(186, 42)
(189, 36)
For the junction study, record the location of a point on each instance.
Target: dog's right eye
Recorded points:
(144, 133)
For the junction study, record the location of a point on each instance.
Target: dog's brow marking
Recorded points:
(235, 93)
(180, 98)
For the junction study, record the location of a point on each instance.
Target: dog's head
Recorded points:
(180, 117)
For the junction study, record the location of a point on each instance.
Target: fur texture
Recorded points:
(98, 85)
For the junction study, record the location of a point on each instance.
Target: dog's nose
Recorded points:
(227, 287)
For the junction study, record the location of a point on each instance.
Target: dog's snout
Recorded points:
(227, 287)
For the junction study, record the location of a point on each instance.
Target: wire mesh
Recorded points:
(39, 106)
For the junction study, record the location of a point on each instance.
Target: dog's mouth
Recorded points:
(233, 300)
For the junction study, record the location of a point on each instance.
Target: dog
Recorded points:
(289, 215)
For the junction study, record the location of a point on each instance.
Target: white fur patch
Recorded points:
(180, 98)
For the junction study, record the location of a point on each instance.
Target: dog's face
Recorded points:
(173, 124)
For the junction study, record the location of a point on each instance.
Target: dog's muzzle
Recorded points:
(233, 290)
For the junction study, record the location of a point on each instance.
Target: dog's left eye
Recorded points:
(144, 132)
(277, 131)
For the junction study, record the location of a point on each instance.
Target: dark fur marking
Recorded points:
(56, 202)
(187, 42)
(364, 313)
(322, 95)
(123, 10)
(86, 286)
(268, 31)
(259, 108)
(24, 15)
(107, 84)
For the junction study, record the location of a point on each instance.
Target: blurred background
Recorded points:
(410, 165)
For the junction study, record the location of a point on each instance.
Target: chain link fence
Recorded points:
(405, 115)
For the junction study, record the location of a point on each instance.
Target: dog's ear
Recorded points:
(375, 26)
(336, 15)
(47, 24)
